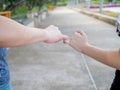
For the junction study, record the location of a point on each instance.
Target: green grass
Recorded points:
(62, 3)
(98, 1)
(59, 3)
(112, 14)
(105, 1)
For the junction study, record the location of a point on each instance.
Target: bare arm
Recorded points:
(108, 57)
(79, 42)
(15, 34)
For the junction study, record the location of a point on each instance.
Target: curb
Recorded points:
(107, 19)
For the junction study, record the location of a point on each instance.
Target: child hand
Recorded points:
(77, 41)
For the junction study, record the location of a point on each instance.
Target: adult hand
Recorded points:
(53, 35)
(77, 41)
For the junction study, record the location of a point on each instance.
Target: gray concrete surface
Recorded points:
(102, 17)
(57, 66)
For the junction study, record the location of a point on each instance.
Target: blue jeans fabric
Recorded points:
(4, 70)
(6, 86)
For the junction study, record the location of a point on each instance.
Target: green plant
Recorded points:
(117, 1)
(1, 10)
(62, 3)
(98, 1)
(35, 9)
(20, 10)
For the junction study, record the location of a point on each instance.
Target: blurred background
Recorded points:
(21, 8)
(57, 66)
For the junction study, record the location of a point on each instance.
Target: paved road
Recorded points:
(58, 66)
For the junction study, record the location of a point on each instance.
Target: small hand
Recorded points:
(77, 41)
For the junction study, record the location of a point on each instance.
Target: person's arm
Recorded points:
(79, 42)
(15, 34)
(108, 57)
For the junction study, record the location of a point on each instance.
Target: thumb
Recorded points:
(65, 37)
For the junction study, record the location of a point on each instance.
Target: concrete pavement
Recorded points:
(58, 66)
(102, 17)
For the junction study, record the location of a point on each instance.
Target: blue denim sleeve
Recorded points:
(4, 70)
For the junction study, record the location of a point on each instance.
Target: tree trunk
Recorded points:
(11, 7)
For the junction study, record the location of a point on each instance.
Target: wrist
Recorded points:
(45, 36)
(85, 48)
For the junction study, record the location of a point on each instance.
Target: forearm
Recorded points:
(15, 34)
(114, 58)
(111, 58)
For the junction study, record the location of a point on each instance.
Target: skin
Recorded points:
(79, 42)
(14, 34)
